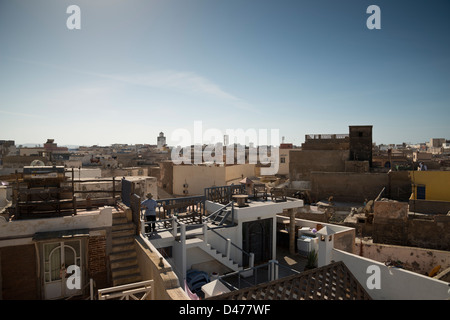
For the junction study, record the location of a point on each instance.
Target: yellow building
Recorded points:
(430, 185)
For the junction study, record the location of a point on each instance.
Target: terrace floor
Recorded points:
(288, 265)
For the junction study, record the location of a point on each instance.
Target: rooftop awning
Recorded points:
(246, 181)
(60, 234)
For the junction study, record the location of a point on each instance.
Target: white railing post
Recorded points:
(174, 227)
(183, 249)
(273, 270)
(205, 233)
(142, 226)
(228, 248)
(182, 233)
(251, 260)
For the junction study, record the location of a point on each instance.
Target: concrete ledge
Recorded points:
(152, 267)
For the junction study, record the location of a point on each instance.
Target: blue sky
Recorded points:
(138, 67)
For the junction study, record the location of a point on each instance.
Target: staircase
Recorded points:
(220, 257)
(220, 217)
(123, 257)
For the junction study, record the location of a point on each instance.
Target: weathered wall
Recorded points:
(235, 173)
(165, 180)
(345, 240)
(97, 261)
(393, 225)
(418, 260)
(326, 142)
(356, 166)
(130, 171)
(303, 162)
(399, 186)
(434, 234)
(196, 178)
(361, 143)
(18, 273)
(390, 222)
(347, 186)
(429, 207)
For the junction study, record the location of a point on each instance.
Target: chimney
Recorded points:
(326, 245)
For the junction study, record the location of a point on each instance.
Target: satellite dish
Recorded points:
(37, 163)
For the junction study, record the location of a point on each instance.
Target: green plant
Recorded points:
(312, 259)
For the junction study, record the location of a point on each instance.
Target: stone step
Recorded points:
(123, 271)
(122, 240)
(125, 246)
(122, 263)
(119, 219)
(121, 280)
(123, 257)
(123, 233)
(123, 226)
(127, 254)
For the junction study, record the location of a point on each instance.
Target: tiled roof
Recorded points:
(330, 282)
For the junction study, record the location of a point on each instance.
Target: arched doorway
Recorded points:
(257, 239)
(57, 257)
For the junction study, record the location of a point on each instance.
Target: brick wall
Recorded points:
(97, 261)
(19, 273)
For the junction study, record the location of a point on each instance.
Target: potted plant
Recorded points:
(312, 260)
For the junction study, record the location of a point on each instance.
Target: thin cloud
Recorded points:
(21, 114)
(184, 82)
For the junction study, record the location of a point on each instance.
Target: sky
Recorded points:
(139, 67)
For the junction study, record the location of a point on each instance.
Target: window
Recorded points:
(282, 160)
(420, 192)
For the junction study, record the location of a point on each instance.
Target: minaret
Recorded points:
(161, 140)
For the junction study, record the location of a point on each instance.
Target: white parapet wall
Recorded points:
(23, 230)
(387, 283)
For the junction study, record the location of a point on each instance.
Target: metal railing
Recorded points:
(326, 136)
(241, 279)
(223, 194)
(175, 206)
(229, 244)
(179, 231)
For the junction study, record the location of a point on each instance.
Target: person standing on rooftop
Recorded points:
(150, 205)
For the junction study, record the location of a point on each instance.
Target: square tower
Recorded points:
(361, 143)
